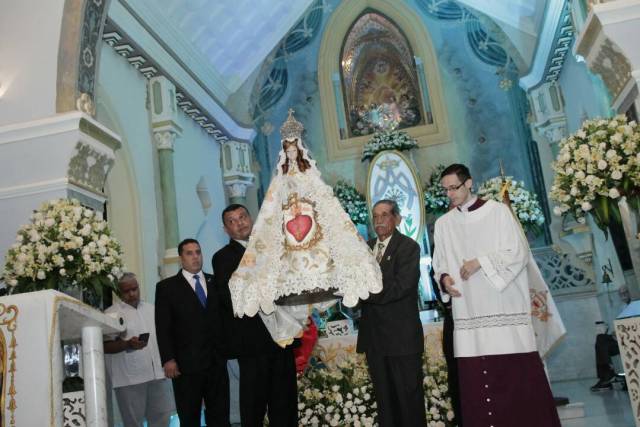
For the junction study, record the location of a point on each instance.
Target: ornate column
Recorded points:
(162, 97)
(608, 43)
(64, 156)
(236, 166)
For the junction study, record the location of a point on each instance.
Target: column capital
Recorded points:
(165, 139)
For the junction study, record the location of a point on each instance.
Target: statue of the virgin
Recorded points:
(304, 248)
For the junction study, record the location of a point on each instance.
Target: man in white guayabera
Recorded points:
(133, 361)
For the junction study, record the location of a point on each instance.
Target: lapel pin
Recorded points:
(388, 257)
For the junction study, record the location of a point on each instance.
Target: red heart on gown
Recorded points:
(299, 226)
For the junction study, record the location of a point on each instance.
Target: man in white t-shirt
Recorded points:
(133, 361)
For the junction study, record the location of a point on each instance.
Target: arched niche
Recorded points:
(432, 128)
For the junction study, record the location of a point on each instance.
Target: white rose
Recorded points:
(13, 282)
(614, 193)
(580, 175)
(40, 275)
(63, 272)
(616, 174)
(602, 164)
(586, 206)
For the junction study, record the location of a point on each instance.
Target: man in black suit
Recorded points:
(390, 332)
(191, 340)
(267, 372)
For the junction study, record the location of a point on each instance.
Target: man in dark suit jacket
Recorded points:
(267, 372)
(390, 331)
(191, 341)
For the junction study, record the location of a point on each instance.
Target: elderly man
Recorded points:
(133, 361)
(480, 260)
(390, 332)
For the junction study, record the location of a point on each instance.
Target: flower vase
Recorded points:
(91, 297)
(74, 291)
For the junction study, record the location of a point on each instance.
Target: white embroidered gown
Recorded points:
(302, 241)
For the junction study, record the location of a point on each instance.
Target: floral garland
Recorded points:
(387, 140)
(595, 167)
(352, 201)
(523, 202)
(435, 200)
(343, 396)
(64, 244)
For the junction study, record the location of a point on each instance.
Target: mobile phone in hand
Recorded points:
(144, 337)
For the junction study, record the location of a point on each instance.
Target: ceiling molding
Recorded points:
(554, 43)
(147, 55)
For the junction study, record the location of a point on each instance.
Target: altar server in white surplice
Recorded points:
(481, 261)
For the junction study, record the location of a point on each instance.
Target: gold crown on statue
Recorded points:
(291, 129)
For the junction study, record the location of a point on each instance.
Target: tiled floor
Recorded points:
(610, 408)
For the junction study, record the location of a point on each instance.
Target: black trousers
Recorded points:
(210, 386)
(452, 365)
(268, 385)
(397, 383)
(606, 346)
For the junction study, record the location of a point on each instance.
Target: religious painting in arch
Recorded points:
(380, 83)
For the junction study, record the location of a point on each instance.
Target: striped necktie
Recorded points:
(380, 252)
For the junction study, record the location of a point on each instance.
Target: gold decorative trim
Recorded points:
(328, 64)
(293, 200)
(9, 318)
(416, 180)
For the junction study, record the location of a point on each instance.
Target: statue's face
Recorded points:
(292, 152)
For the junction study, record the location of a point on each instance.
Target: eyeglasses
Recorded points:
(453, 188)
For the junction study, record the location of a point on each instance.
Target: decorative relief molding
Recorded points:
(237, 189)
(562, 43)
(90, 47)
(9, 320)
(560, 273)
(627, 332)
(85, 104)
(164, 139)
(141, 61)
(89, 168)
(612, 65)
(73, 411)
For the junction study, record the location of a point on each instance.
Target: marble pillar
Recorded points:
(95, 393)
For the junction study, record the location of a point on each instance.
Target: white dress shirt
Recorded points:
(132, 367)
(379, 252)
(192, 281)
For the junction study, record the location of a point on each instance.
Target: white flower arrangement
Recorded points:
(65, 244)
(387, 140)
(435, 200)
(595, 167)
(523, 202)
(352, 201)
(343, 396)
